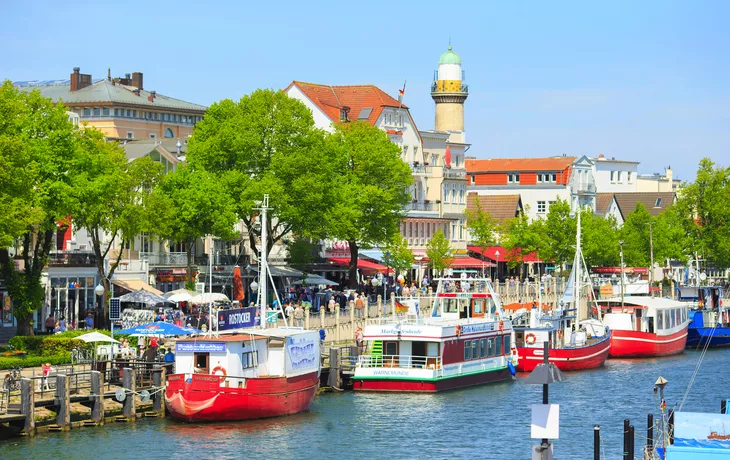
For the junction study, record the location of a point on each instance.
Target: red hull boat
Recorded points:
(566, 359)
(632, 344)
(202, 399)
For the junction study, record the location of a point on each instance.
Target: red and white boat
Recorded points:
(645, 327)
(463, 340)
(244, 376)
(572, 344)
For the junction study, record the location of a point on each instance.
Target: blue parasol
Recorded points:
(159, 328)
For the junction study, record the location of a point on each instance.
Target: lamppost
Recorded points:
(496, 265)
(621, 245)
(385, 278)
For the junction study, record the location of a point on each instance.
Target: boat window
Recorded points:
(451, 306)
(249, 359)
(475, 349)
(491, 306)
(490, 347)
(678, 314)
(672, 319)
(499, 346)
(391, 348)
(506, 343)
(467, 350)
(201, 362)
(660, 320)
(478, 304)
(482, 348)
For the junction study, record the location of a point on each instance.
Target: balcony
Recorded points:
(166, 259)
(420, 206)
(222, 259)
(584, 188)
(454, 173)
(434, 87)
(72, 259)
(420, 169)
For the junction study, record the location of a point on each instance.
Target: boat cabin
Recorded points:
(644, 314)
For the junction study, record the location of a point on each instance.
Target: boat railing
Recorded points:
(400, 361)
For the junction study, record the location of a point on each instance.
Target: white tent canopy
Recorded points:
(96, 337)
(314, 280)
(210, 297)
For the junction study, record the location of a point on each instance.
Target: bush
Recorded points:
(54, 346)
(35, 361)
(27, 343)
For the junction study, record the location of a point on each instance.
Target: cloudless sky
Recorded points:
(641, 80)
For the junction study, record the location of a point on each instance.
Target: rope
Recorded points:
(697, 367)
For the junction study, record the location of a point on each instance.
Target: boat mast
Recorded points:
(210, 287)
(576, 271)
(263, 281)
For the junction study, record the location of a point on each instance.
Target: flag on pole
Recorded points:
(402, 92)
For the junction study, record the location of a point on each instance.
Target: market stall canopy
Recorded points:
(135, 285)
(180, 295)
(277, 271)
(315, 280)
(96, 337)
(144, 297)
(470, 262)
(505, 255)
(210, 297)
(157, 329)
(364, 265)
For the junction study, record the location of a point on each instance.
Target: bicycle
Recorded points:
(12, 379)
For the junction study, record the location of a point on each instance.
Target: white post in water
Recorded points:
(263, 281)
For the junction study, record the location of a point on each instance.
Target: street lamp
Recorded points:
(385, 278)
(496, 265)
(621, 245)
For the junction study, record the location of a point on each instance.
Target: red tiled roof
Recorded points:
(330, 99)
(603, 203)
(500, 207)
(518, 164)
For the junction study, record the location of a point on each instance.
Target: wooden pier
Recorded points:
(126, 390)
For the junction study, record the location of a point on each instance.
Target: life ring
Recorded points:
(458, 330)
(560, 334)
(222, 370)
(530, 338)
(501, 325)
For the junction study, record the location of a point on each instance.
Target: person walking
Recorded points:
(299, 316)
(89, 322)
(289, 310)
(50, 323)
(359, 304)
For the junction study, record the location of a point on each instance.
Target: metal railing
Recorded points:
(420, 206)
(454, 173)
(420, 169)
(165, 258)
(72, 259)
(399, 361)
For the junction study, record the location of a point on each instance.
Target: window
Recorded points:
(116, 112)
(415, 153)
(405, 153)
(391, 348)
(658, 203)
(168, 133)
(467, 350)
(453, 193)
(453, 229)
(660, 320)
(87, 112)
(473, 179)
(498, 342)
(613, 176)
(474, 349)
(130, 135)
(155, 116)
(461, 229)
(490, 347)
(513, 178)
(462, 189)
(506, 344)
(153, 136)
(434, 159)
(105, 111)
(541, 207)
(97, 112)
(629, 177)
(129, 113)
(249, 359)
(134, 114)
(554, 178)
(482, 348)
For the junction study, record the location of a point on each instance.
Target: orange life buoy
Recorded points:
(222, 370)
(530, 338)
(458, 330)
(560, 334)
(501, 325)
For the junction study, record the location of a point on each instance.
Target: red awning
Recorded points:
(470, 262)
(361, 264)
(491, 253)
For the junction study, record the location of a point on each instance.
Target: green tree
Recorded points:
(37, 152)
(522, 237)
(558, 234)
(301, 252)
(195, 204)
(599, 240)
(705, 214)
(670, 237)
(110, 200)
(369, 188)
(439, 252)
(635, 235)
(266, 143)
(483, 228)
(401, 257)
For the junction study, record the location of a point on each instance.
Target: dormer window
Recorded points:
(343, 114)
(658, 203)
(513, 178)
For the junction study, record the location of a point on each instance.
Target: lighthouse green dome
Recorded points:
(449, 57)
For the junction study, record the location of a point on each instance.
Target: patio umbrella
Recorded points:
(179, 295)
(96, 337)
(314, 280)
(210, 297)
(159, 328)
(144, 297)
(237, 284)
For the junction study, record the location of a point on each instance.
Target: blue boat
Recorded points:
(709, 318)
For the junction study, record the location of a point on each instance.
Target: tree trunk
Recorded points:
(25, 326)
(353, 264)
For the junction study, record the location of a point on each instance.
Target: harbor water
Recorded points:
(486, 422)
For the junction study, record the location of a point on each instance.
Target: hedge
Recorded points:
(57, 343)
(35, 361)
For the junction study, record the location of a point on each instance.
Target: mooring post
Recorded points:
(626, 439)
(649, 434)
(97, 397)
(159, 388)
(723, 406)
(27, 404)
(130, 386)
(596, 442)
(63, 416)
(334, 377)
(631, 442)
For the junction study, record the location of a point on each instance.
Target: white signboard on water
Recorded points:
(545, 421)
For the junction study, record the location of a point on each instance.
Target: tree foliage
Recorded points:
(599, 239)
(301, 252)
(483, 228)
(522, 237)
(705, 214)
(558, 234)
(266, 143)
(635, 235)
(368, 190)
(401, 256)
(37, 151)
(439, 252)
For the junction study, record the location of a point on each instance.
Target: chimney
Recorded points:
(601, 157)
(153, 94)
(137, 80)
(79, 80)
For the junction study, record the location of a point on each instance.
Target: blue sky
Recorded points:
(644, 80)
